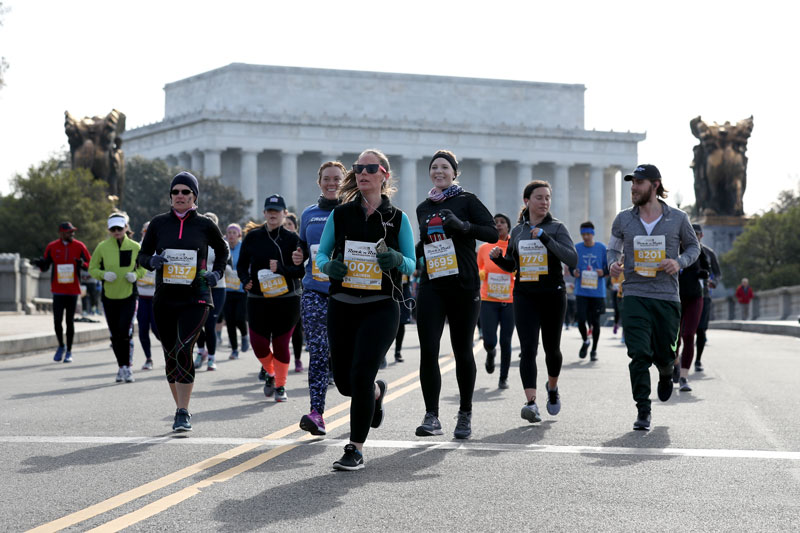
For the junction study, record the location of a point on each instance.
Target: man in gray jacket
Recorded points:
(650, 242)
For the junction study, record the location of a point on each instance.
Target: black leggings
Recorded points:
(545, 311)
(62, 303)
(297, 339)
(119, 315)
(359, 335)
(589, 310)
(492, 315)
(461, 309)
(208, 336)
(702, 327)
(147, 322)
(235, 315)
(179, 325)
(398, 339)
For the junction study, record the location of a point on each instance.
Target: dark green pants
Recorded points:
(651, 335)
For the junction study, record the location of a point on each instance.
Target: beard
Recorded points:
(640, 199)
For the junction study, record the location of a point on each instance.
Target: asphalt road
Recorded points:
(80, 452)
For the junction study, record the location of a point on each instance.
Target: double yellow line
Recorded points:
(175, 498)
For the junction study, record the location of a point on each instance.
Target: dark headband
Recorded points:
(444, 155)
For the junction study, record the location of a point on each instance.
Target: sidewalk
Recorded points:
(22, 334)
(770, 327)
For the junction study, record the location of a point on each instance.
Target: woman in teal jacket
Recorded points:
(114, 263)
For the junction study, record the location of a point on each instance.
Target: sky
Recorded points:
(647, 66)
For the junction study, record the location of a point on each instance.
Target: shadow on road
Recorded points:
(110, 453)
(657, 438)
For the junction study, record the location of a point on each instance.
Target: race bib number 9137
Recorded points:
(181, 266)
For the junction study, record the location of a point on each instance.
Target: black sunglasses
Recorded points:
(371, 168)
(116, 228)
(176, 192)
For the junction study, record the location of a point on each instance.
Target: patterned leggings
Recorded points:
(315, 324)
(179, 326)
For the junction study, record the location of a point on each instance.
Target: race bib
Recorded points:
(66, 273)
(181, 267)
(272, 284)
(532, 260)
(588, 279)
(498, 285)
(148, 280)
(440, 259)
(648, 252)
(363, 271)
(231, 278)
(315, 273)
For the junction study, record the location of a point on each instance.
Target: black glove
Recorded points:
(450, 221)
(38, 263)
(211, 278)
(702, 274)
(390, 259)
(80, 263)
(335, 268)
(157, 261)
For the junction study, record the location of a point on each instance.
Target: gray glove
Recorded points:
(157, 261)
(109, 276)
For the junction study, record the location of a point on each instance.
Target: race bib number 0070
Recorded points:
(363, 271)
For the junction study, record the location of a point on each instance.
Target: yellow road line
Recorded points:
(160, 483)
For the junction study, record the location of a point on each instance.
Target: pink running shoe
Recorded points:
(313, 423)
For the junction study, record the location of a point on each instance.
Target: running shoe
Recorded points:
(490, 360)
(698, 366)
(553, 400)
(584, 349)
(463, 425)
(593, 356)
(202, 356)
(212, 363)
(120, 375)
(67, 357)
(245, 343)
(313, 423)
(59, 354)
(269, 386)
(377, 415)
(502, 384)
(298, 365)
(234, 355)
(616, 327)
(148, 365)
(430, 426)
(262, 374)
(664, 387)
(530, 412)
(351, 460)
(128, 375)
(685, 385)
(676, 373)
(280, 394)
(642, 422)
(182, 422)
(398, 357)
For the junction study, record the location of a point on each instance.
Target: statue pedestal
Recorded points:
(719, 232)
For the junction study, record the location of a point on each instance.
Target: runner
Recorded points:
(690, 281)
(235, 298)
(316, 288)
(645, 245)
(497, 307)
(272, 282)
(291, 224)
(146, 287)
(450, 220)
(208, 335)
(590, 287)
(358, 250)
(114, 262)
(537, 247)
(175, 246)
(69, 256)
(708, 286)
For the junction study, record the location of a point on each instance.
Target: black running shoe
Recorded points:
(584, 349)
(698, 366)
(398, 357)
(490, 360)
(463, 425)
(430, 426)
(182, 422)
(351, 460)
(664, 387)
(593, 356)
(502, 384)
(642, 422)
(269, 386)
(377, 416)
(262, 374)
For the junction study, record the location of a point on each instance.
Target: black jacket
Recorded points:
(259, 247)
(468, 208)
(689, 278)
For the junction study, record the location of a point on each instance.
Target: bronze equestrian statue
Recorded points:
(720, 166)
(95, 143)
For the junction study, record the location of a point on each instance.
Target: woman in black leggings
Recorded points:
(366, 245)
(450, 220)
(537, 247)
(176, 247)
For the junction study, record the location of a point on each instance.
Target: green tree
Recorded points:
(147, 194)
(50, 194)
(767, 252)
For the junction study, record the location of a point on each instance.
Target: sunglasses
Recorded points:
(371, 168)
(116, 228)
(176, 192)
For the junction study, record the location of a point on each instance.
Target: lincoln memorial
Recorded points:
(267, 129)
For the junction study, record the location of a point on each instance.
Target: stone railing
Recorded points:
(782, 303)
(23, 287)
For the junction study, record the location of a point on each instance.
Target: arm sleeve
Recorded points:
(148, 247)
(691, 246)
(615, 243)
(47, 260)
(290, 270)
(481, 222)
(243, 264)
(326, 242)
(508, 262)
(95, 268)
(563, 248)
(85, 255)
(712, 259)
(406, 239)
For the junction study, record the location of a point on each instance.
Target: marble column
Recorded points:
(561, 188)
(184, 161)
(488, 184)
(524, 177)
(625, 187)
(212, 163)
(197, 162)
(289, 178)
(249, 181)
(597, 201)
(328, 157)
(406, 184)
